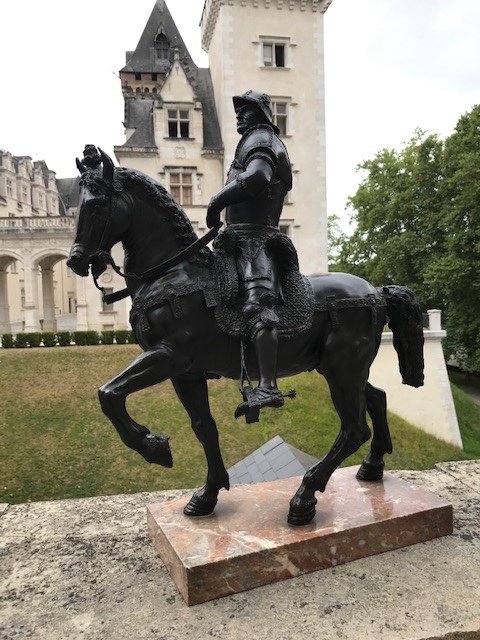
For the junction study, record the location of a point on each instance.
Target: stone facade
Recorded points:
(35, 286)
(37, 227)
(179, 119)
(180, 129)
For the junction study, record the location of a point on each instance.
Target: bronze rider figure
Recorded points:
(253, 196)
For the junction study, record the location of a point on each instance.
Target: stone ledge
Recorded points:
(86, 569)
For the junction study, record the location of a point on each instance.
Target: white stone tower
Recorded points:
(276, 46)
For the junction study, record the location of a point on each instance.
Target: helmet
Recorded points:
(261, 101)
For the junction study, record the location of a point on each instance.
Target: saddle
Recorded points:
(221, 290)
(295, 307)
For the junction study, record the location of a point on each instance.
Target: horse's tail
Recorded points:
(405, 321)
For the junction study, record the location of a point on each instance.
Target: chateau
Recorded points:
(180, 129)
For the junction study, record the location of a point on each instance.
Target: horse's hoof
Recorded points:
(302, 514)
(156, 450)
(199, 506)
(370, 472)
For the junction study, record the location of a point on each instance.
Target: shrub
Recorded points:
(33, 339)
(49, 339)
(64, 338)
(121, 336)
(21, 341)
(79, 338)
(107, 337)
(82, 338)
(7, 341)
(131, 338)
(92, 337)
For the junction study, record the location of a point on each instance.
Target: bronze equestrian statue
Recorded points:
(189, 316)
(258, 181)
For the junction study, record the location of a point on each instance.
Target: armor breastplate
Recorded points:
(265, 208)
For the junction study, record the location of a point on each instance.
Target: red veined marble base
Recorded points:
(248, 543)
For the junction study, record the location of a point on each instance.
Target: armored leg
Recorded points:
(262, 321)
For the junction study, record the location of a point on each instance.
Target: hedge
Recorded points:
(65, 338)
(33, 339)
(7, 341)
(121, 336)
(21, 341)
(107, 337)
(82, 338)
(49, 339)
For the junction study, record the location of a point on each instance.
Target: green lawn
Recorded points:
(56, 443)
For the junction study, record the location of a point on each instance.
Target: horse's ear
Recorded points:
(108, 166)
(80, 166)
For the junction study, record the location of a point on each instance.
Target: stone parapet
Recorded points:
(86, 569)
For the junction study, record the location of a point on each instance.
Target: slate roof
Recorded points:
(139, 116)
(272, 461)
(68, 190)
(143, 59)
(139, 112)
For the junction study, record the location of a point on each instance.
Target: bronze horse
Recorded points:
(123, 205)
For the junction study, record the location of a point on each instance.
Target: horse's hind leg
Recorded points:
(148, 369)
(192, 391)
(372, 467)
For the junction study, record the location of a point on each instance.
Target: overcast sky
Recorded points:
(391, 66)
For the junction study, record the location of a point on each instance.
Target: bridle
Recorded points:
(103, 256)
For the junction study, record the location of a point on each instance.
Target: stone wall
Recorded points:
(430, 407)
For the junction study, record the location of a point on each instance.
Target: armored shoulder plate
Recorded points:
(261, 142)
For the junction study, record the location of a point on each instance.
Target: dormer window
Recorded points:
(178, 123)
(162, 47)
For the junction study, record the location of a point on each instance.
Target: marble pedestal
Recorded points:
(248, 543)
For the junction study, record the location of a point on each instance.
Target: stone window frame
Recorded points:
(281, 41)
(9, 187)
(181, 187)
(287, 101)
(286, 225)
(107, 308)
(179, 120)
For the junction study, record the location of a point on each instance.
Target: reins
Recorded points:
(153, 272)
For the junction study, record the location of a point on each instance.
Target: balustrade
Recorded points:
(54, 223)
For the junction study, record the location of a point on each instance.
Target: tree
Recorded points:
(336, 239)
(397, 210)
(454, 274)
(417, 215)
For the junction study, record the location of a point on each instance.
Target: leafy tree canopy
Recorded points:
(417, 217)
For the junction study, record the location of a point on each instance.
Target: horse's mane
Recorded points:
(142, 186)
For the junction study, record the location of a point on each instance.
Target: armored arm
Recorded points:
(246, 186)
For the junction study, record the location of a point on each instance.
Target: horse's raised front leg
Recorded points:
(148, 369)
(192, 391)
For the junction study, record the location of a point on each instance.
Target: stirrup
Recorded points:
(259, 398)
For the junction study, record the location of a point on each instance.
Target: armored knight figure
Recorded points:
(258, 180)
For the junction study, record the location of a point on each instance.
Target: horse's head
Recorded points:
(101, 218)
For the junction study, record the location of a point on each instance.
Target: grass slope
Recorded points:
(56, 443)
